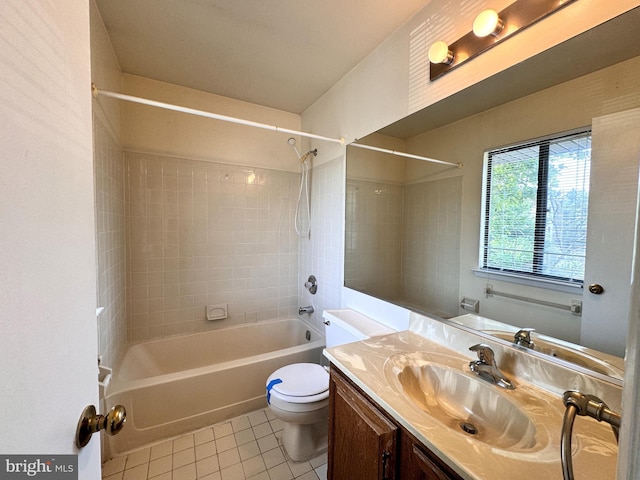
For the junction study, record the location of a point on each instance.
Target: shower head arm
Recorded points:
(313, 152)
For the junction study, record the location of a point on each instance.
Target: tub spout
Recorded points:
(302, 310)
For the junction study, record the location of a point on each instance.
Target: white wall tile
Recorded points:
(205, 233)
(110, 233)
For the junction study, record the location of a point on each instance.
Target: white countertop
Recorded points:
(367, 364)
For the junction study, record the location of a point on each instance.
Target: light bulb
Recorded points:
(440, 53)
(487, 23)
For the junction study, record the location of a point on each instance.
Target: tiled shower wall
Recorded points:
(110, 241)
(403, 242)
(431, 245)
(322, 252)
(374, 231)
(204, 233)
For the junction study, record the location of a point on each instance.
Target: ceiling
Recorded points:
(283, 54)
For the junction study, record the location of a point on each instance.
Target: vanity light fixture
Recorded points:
(489, 29)
(440, 53)
(488, 22)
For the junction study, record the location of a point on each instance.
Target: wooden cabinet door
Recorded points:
(362, 441)
(422, 467)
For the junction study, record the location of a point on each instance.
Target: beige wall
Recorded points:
(105, 74)
(370, 165)
(154, 130)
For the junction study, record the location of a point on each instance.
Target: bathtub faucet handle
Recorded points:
(311, 284)
(308, 309)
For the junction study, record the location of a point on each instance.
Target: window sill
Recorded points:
(549, 284)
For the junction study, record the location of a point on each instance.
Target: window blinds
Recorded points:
(535, 215)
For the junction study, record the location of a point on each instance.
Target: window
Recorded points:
(535, 210)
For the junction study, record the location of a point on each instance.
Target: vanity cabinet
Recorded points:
(363, 442)
(423, 466)
(366, 444)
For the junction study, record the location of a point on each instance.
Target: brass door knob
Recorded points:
(596, 289)
(91, 423)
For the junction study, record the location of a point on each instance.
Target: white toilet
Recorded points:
(298, 394)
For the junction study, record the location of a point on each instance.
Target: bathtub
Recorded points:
(175, 385)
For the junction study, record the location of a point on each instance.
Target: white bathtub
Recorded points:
(178, 384)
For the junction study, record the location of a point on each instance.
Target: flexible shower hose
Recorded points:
(577, 403)
(304, 185)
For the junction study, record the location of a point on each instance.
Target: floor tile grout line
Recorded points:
(261, 418)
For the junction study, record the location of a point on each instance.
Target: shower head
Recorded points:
(292, 141)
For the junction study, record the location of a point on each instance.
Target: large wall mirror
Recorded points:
(413, 228)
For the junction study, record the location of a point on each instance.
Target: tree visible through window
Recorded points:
(535, 215)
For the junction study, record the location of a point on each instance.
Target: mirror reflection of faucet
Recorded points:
(523, 337)
(485, 367)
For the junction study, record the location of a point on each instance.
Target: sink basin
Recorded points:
(566, 353)
(463, 403)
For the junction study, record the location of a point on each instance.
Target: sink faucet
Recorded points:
(486, 367)
(523, 337)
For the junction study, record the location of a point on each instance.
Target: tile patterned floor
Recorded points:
(244, 448)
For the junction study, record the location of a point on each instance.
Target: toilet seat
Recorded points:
(298, 383)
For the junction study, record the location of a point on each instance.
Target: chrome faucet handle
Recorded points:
(523, 337)
(485, 367)
(485, 354)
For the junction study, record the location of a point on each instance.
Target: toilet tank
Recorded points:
(346, 326)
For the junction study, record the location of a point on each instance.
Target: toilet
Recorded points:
(298, 394)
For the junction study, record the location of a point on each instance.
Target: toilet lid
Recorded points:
(300, 380)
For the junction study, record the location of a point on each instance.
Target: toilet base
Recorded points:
(304, 442)
(304, 434)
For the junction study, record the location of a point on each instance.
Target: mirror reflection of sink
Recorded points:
(564, 352)
(463, 403)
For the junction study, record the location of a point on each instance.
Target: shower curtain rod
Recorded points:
(408, 155)
(215, 116)
(192, 111)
